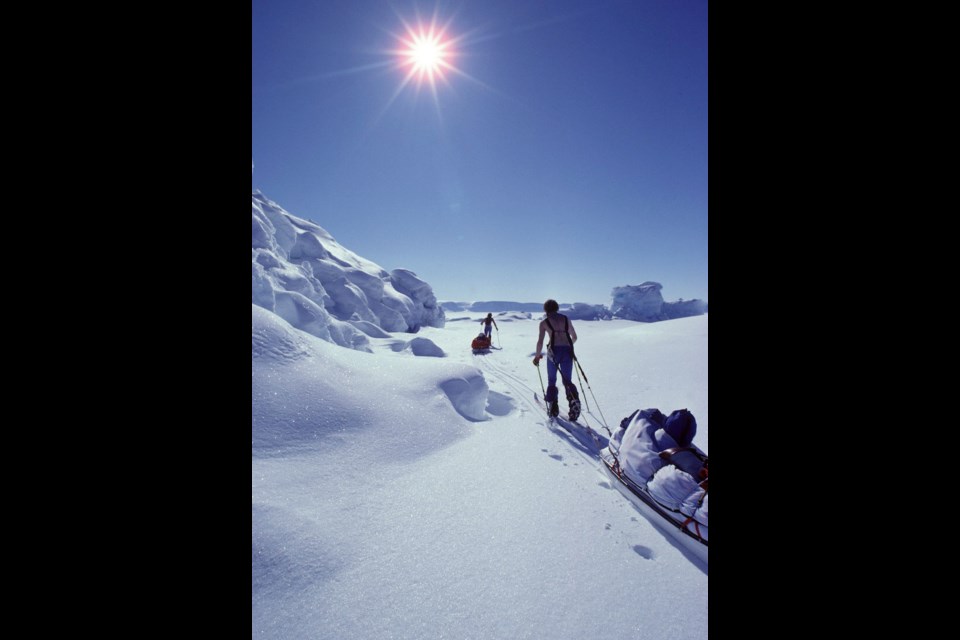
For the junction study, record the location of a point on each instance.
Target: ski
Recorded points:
(542, 404)
(571, 426)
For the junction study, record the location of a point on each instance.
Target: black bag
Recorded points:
(682, 427)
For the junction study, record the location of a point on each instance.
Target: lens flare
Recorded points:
(427, 53)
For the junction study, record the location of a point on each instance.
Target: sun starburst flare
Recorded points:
(427, 53)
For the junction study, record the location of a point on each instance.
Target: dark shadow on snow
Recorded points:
(643, 552)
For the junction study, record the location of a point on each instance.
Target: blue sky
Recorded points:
(567, 154)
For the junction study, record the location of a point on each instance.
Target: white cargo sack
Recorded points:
(639, 453)
(671, 486)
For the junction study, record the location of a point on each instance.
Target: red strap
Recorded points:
(696, 525)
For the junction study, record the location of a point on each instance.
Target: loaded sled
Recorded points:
(481, 343)
(653, 462)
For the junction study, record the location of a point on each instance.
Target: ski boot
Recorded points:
(553, 409)
(573, 401)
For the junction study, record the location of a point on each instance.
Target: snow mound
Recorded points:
(306, 277)
(271, 342)
(310, 395)
(418, 347)
(468, 395)
(426, 347)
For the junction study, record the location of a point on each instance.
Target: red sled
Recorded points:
(481, 342)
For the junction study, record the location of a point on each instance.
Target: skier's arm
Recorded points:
(536, 356)
(573, 333)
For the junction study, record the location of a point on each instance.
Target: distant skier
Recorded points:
(559, 354)
(486, 324)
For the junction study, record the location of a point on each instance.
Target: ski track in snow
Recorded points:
(326, 572)
(583, 444)
(581, 439)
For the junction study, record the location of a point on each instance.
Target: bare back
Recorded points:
(556, 323)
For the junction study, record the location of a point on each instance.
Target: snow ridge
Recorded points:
(306, 277)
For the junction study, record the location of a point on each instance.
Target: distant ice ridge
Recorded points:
(576, 311)
(306, 277)
(684, 308)
(584, 311)
(641, 302)
(644, 303)
(492, 305)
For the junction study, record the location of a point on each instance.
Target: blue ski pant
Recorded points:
(559, 356)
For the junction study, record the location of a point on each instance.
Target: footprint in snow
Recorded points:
(604, 484)
(643, 552)
(556, 456)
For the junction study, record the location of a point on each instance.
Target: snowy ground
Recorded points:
(406, 496)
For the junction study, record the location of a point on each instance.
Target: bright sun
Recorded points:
(427, 54)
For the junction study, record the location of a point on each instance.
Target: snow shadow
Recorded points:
(468, 396)
(293, 566)
(585, 439)
(572, 439)
(643, 552)
(288, 552)
(419, 347)
(499, 404)
(697, 562)
(370, 329)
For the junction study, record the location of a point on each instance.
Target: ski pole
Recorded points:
(587, 380)
(581, 389)
(540, 375)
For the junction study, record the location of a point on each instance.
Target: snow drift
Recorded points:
(306, 277)
(372, 474)
(308, 394)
